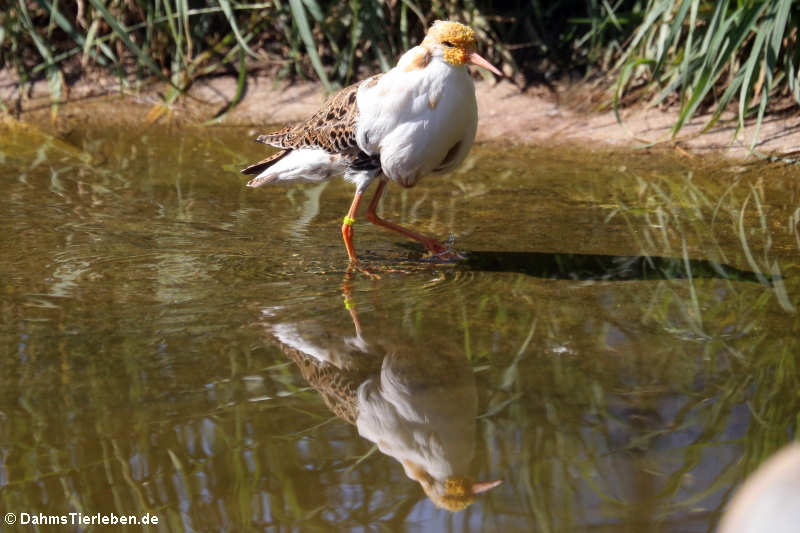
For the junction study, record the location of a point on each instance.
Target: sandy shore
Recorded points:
(506, 114)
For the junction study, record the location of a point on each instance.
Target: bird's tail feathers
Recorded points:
(264, 164)
(262, 179)
(274, 139)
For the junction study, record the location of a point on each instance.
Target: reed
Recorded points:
(712, 55)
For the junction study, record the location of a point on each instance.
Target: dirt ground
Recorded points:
(506, 114)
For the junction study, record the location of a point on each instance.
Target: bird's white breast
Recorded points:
(432, 426)
(420, 120)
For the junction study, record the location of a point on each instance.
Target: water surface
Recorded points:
(619, 346)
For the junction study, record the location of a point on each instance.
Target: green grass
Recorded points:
(712, 55)
(699, 55)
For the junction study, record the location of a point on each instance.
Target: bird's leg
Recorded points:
(347, 228)
(347, 235)
(430, 244)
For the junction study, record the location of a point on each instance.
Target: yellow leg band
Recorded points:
(348, 221)
(348, 304)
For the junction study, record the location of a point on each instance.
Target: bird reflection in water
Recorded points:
(419, 408)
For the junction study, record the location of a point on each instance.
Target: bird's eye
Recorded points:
(448, 44)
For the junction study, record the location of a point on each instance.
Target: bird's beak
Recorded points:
(476, 59)
(483, 486)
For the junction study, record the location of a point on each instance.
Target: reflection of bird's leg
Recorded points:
(429, 243)
(347, 292)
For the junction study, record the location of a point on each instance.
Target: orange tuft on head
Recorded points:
(456, 40)
(455, 33)
(456, 43)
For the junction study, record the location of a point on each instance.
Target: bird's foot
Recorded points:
(355, 266)
(447, 256)
(441, 252)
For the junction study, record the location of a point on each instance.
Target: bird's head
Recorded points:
(456, 44)
(458, 493)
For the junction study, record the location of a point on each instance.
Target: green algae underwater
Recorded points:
(619, 345)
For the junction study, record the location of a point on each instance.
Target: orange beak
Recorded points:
(484, 486)
(476, 59)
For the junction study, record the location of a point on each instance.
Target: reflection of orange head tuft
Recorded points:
(457, 494)
(456, 40)
(459, 491)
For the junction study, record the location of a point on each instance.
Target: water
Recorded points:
(618, 347)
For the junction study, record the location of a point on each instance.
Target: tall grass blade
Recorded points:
(299, 15)
(355, 38)
(641, 32)
(314, 9)
(241, 82)
(55, 80)
(175, 32)
(403, 26)
(722, 47)
(674, 31)
(122, 33)
(70, 30)
(88, 42)
(688, 52)
(771, 52)
(750, 75)
(417, 11)
(228, 11)
(183, 17)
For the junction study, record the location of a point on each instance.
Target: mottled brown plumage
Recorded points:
(337, 386)
(332, 128)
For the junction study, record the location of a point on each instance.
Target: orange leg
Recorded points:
(347, 228)
(429, 243)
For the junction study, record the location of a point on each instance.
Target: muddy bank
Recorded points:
(535, 116)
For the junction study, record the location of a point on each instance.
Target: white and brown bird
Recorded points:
(417, 119)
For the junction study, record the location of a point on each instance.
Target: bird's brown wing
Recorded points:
(332, 128)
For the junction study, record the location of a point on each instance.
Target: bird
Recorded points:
(767, 500)
(417, 119)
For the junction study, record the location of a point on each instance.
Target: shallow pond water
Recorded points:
(619, 346)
